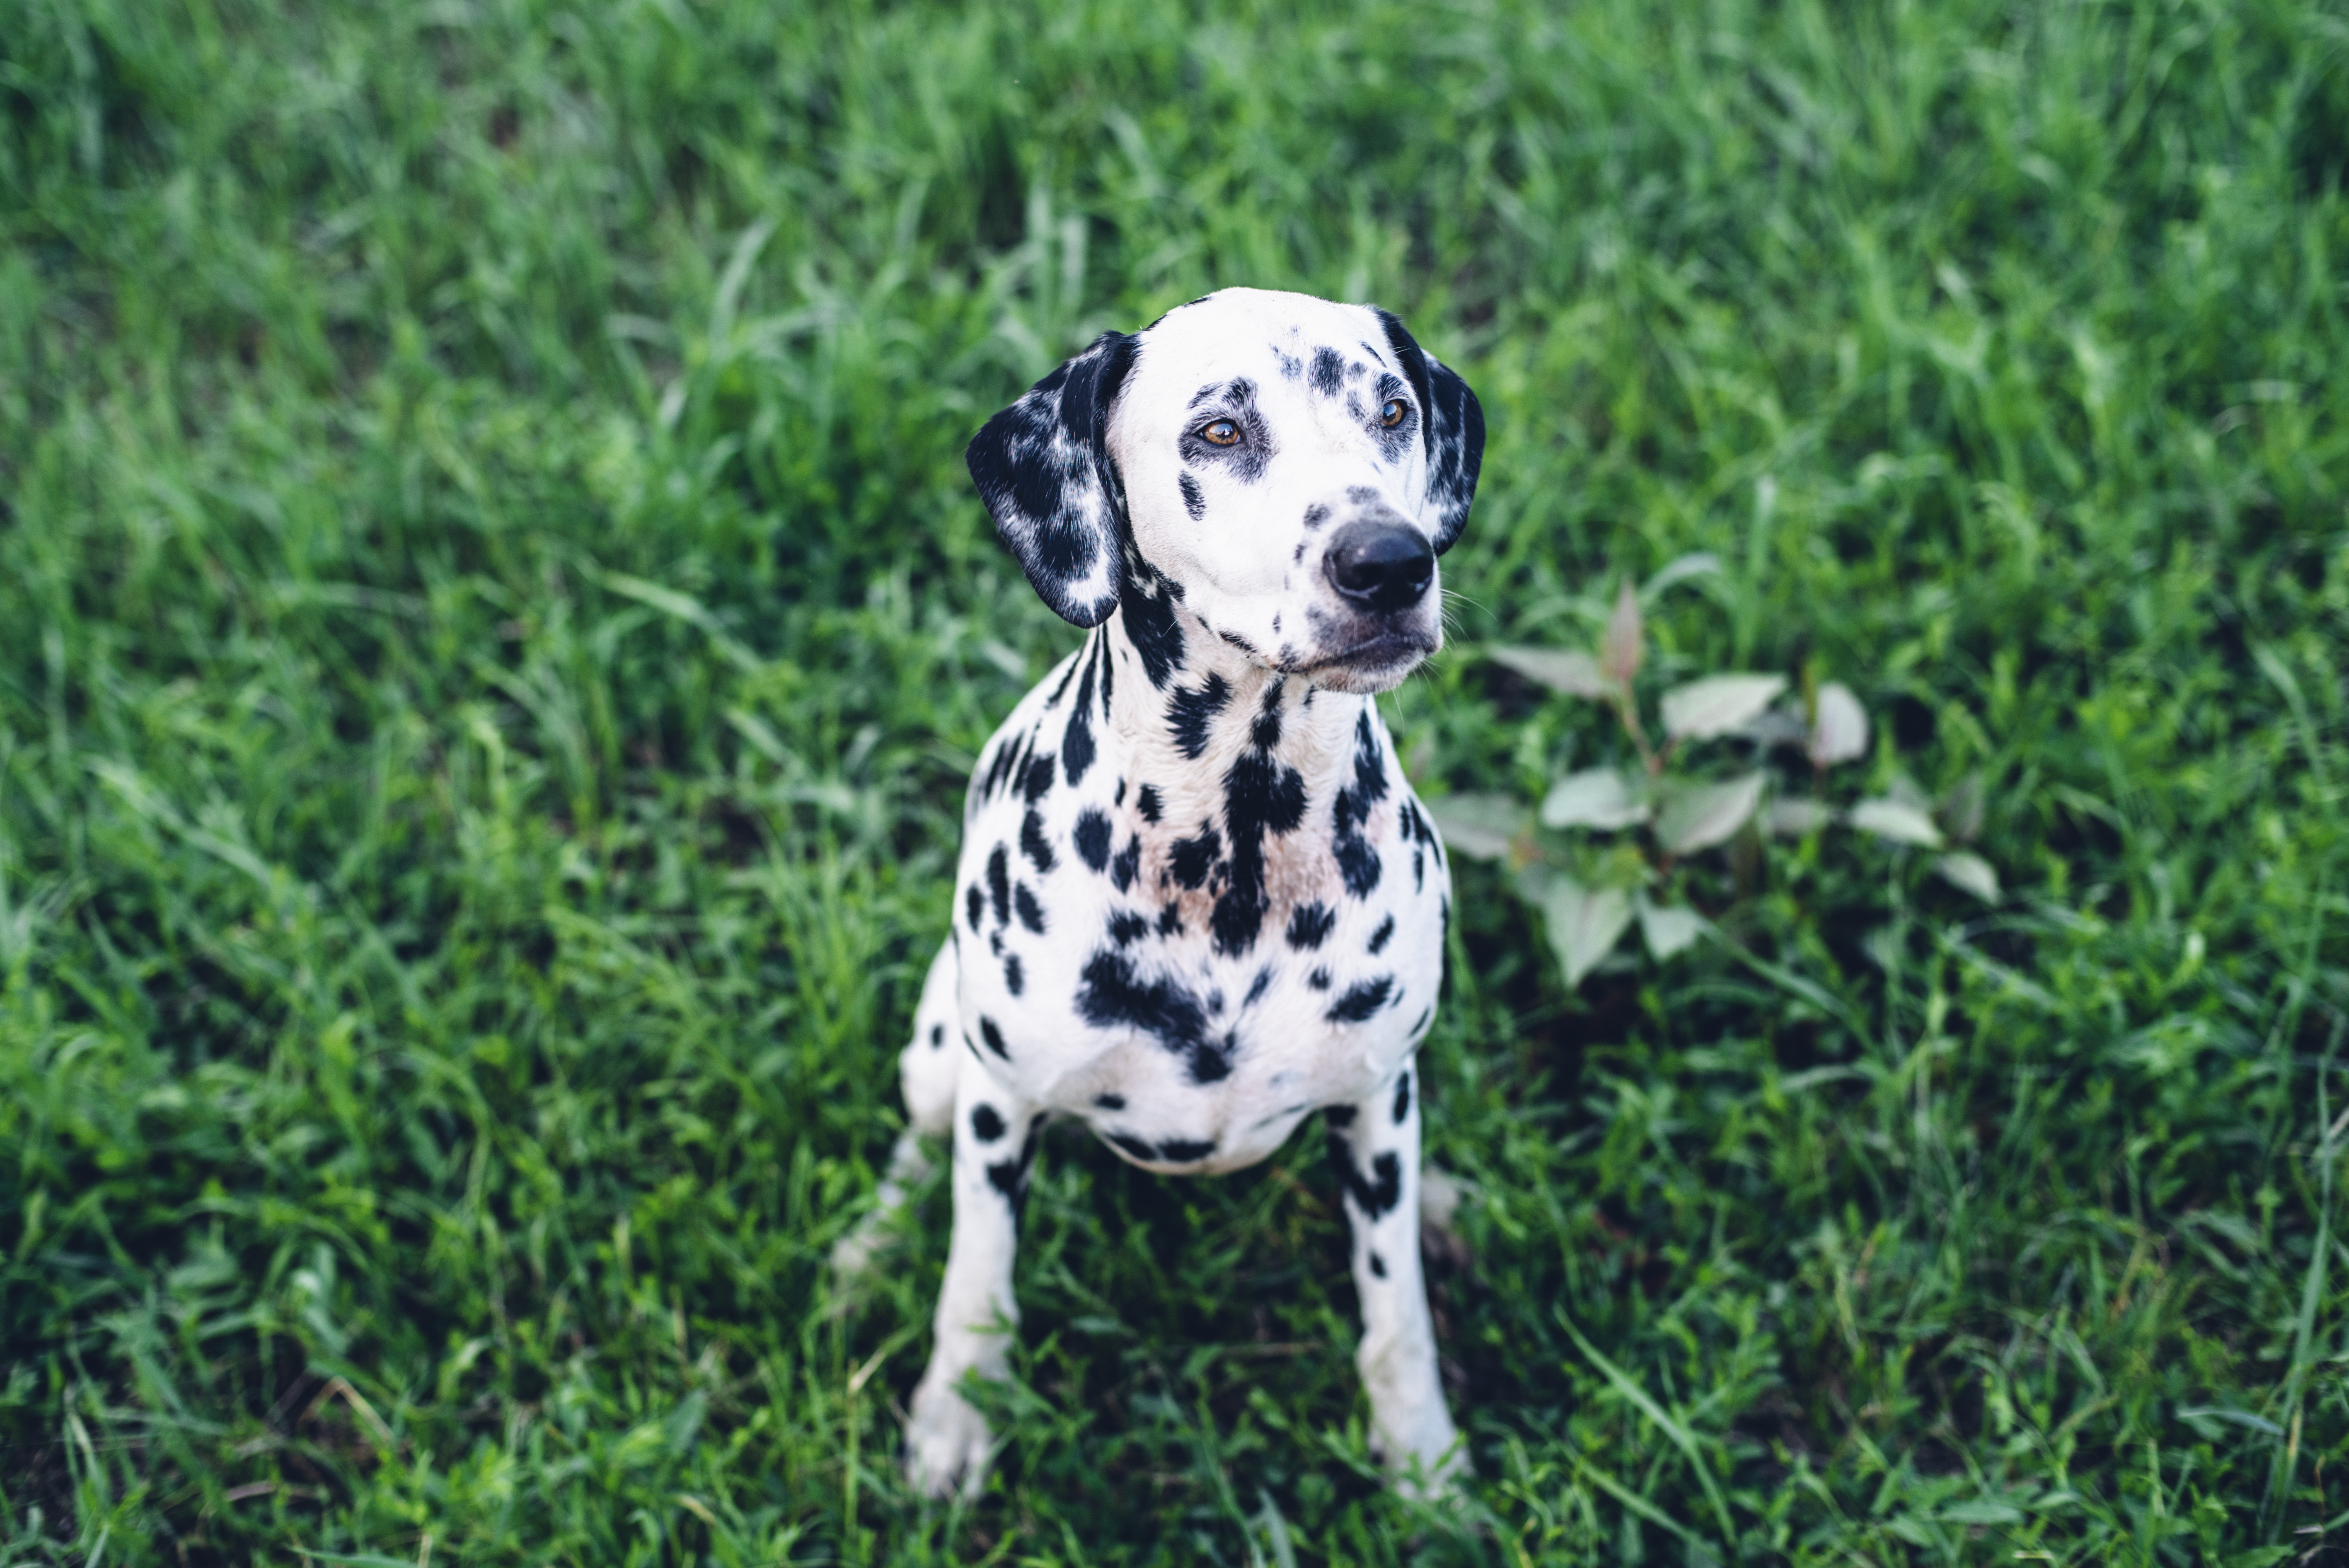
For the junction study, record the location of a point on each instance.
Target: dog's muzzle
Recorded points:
(1380, 565)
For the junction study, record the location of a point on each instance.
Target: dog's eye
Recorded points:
(1221, 432)
(1391, 415)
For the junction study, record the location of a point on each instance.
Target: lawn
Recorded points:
(493, 628)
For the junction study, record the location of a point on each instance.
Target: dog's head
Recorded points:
(1288, 468)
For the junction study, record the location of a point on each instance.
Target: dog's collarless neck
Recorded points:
(1210, 702)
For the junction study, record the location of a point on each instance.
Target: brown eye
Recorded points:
(1391, 415)
(1221, 432)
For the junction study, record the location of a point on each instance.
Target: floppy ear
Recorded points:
(1044, 468)
(1455, 426)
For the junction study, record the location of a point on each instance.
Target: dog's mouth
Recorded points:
(1376, 663)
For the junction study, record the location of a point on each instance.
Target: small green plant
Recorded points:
(1609, 846)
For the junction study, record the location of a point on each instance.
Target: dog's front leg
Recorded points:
(995, 1131)
(1374, 1147)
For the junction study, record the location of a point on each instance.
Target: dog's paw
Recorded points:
(946, 1444)
(1430, 1476)
(1420, 1451)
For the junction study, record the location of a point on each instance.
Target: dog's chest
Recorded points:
(1194, 919)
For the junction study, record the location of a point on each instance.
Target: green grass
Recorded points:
(493, 628)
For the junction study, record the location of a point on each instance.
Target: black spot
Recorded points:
(1010, 1177)
(1379, 938)
(1328, 374)
(1193, 502)
(1119, 798)
(994, 1037)
(1077, 740)
(1402, 1098)
(1319, 979)
(1126, 927)
(1338, 1115)
(1360, 999)
(1258, 986)
(1038, 783)
(1128, 864)
(1212, 1064)
(1184, 1150)
(1215, 1003)
(973, 902)
(1150, 623)
(986, 1124)
(1189, 713)
(994, 775)
(1032, 842)
(1066, 676)
(1190, 859)
(1147, 802)
(1261, 794)
(1265, 733)
(1358, 860)
(1418, 870)
(1378, 1267)
(1421, 1022)
(937, 1036)
(1170, 918)
(1133, 1147)
(1110, 1102)
(998, 884)
(1004, 1177)
(1376, 1196)
(1314, 517)
(1310, 925)
(1092, 839)
(1112, 995)
(1031, 913)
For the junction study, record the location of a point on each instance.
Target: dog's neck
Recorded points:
(1189, 708)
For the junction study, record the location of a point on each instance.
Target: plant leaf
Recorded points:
(1718, 704)
(1792, 816)
(1781, 726)
(1896, 820)
(1596, 797)
(1668, 928)
(1584, 924)
(1840, 733)
(1696, 564)
(1481, 826)
(1625, 644)
(1566, 670)
(1962, 812)
(1970, 872)
(1698, 816)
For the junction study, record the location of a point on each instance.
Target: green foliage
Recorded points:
(494, 629)
(1590, 895)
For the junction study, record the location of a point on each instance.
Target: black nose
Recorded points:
(1380, 566)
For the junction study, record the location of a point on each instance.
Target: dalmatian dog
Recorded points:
(1197, 900)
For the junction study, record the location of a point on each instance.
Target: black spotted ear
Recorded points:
(1044, 468)
(1455, 426)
